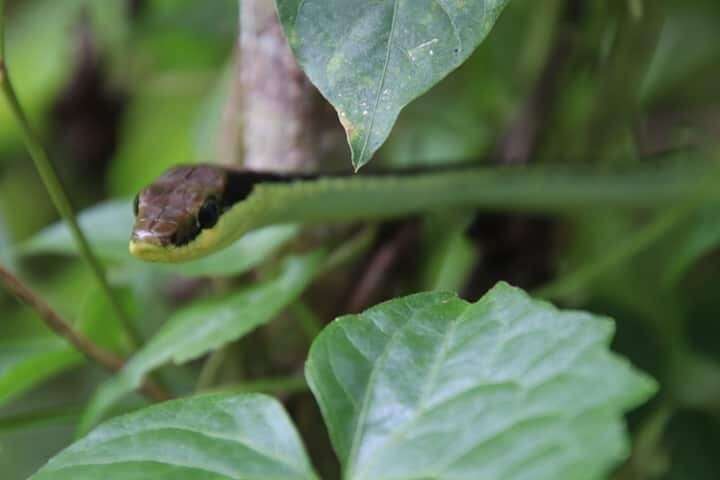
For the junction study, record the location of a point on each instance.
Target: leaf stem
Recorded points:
(63, 328)
(54, 186)
(210, 368)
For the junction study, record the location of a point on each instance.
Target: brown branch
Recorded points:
(229, 138)
(279, 101)
(83, 344)
(286, 123)
(385, 257)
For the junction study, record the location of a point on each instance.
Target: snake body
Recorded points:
(195, 210)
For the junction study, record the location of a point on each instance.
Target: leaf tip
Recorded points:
(503, 289)
(646, 386)
(358, 152)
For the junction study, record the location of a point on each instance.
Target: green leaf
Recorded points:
(207, 325)
(431, 386)
(108, 226)
(25, 363)
(214, 437)
(370, 59)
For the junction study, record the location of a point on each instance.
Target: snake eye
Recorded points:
(209, 213)
(136, 205)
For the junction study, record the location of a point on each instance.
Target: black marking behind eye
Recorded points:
(209, 213)
(241, 183)
(185, 236)
(136, 205)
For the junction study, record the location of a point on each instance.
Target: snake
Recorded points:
(191, 211)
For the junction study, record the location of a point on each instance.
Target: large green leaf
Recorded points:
(108, 227)
(214, 437)
(25, 363)
(430, 386)
(207, 325)
(370, 59)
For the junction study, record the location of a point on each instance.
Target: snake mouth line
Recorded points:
(148, 251)
(151, 251)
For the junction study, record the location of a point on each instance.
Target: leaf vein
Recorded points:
(456, 30)
(337, 377)
(381, 83)
(297, 14)
(355, 444)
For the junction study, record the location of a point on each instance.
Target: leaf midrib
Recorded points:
(440, 358)
(381, 84)
(354, 445)
(210, 435)
(430, 380)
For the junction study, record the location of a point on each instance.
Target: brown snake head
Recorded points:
(185, 202)
(175, 208)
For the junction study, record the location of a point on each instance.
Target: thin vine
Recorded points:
(54, 186)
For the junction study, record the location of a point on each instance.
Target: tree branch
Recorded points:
(379, 265)
(83, 344)
(287, 126)
(229, 137)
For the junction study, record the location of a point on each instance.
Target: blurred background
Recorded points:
(122, 89)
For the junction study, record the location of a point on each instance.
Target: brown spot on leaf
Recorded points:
(347, 124)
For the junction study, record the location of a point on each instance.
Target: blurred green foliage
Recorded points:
(640, 78)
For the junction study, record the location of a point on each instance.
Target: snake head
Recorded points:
(180, 216)
(172, 211)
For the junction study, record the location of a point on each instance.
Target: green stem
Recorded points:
(210, 368)
(54, 186)
(350, 249)
(646, 460)
(575, 281)
(621, 78)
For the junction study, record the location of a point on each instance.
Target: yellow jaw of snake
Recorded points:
(178, 217)
(206, 241)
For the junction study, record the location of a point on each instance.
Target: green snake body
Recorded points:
(346, 198)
